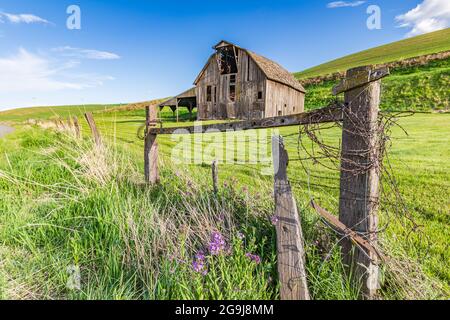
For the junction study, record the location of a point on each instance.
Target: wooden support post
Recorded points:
(178, 112)
(215, 178)
(93, 127)
(77, 128)
(360, 171)
(290, 248)
(151, 147)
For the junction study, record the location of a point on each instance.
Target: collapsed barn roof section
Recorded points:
(272, 70)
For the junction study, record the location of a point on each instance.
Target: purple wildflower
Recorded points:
(240, 236)
(217, 244)
(254, 257)
(199, 264)
(274, 220)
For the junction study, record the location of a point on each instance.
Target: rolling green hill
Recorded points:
(40, 113)
(421, 45)
(419, 88)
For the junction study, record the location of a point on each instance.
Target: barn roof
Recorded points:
(173, 101)
(272, 70)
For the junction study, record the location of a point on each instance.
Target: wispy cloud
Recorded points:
(22, 18)
(428, 16)
(25, 71)
(86, 53)
(343, 4)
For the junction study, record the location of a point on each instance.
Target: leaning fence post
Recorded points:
(151, 147)
(360, 171)
(76, 125)
(91, 122)
(215, 178)
(290, 247)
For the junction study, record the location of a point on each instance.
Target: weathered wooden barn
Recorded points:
(236, 83)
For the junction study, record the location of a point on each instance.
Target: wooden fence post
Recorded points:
(215, 178)
(151, 147)
(360, 171)
(76, 126)
(290, 248)
(94, 130)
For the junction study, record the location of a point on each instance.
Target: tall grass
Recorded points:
(70, 205)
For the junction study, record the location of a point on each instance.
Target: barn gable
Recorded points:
(236, 83)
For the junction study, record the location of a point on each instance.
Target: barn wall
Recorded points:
(282, 100)
(249, 81)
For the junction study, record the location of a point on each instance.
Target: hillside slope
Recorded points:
(41, 113)
(413, 47)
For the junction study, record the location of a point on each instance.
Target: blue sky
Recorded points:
(135, 50)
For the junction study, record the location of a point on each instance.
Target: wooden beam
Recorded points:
(360, 175)
(95, 133)
(324, 115)
(360, 77)
(151, 147)
(290, 247)
(343, 229)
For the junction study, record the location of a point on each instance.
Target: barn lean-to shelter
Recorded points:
(236, 83)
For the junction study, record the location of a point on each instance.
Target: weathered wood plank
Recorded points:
(290, 247)
(343, 229)
(360, 77)
(324, 115)
(360, 175)
(95, 133)
(151, 147)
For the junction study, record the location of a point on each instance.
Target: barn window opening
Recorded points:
(208, 93)
(280, 113)
(233, 87)
(227, 60)
(233, 93)
(260, 95)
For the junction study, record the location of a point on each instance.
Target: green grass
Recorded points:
(65, 204)
(422, 88)
(44, 113)
(413, 47)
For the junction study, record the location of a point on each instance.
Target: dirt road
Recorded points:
(4, 130)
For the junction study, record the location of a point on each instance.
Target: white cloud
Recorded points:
(22, 18)
(26, 72)
(86, 53)
(428, 16)
(343, 4)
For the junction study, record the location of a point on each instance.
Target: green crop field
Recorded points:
(421, 45)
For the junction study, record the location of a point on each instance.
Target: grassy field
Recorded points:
(45, 113)
(66, 204)
(421, 88)
(413, 47)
